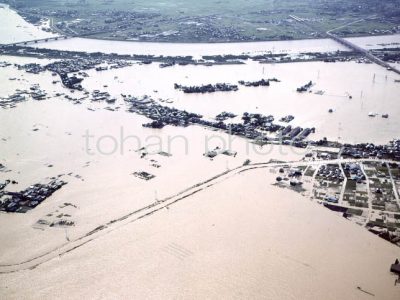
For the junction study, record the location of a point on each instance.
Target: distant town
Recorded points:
(188, 21)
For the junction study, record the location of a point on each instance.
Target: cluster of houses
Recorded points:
(29, 198)
(369, 150)
(208, 88)
(222, 87)
(205, 29)
(295, 133)
(80, 22)
(72, 61)
(354, 172)
(331, 172)
(35, 92)
(253, 126)
(293, 176)
(287, 119)
(64, 67)
(102, 96)
(305, 87)
(161, 115)
(12, 100)
(261, 82)
(224, 116)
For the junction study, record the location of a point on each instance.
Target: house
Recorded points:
(395, 268)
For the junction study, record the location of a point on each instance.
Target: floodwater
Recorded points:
(108, 189)
(14, 29)
(377, 42)
(350, 89)
(371, 87)
(243, 237)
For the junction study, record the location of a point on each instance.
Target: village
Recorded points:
(119, 20)
(364, 191)
(85, 60)
(28, 199)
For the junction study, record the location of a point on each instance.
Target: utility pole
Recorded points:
(66, 234)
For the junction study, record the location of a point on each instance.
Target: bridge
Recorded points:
(349, 44)
(55, 38)
(365, 52)
(24, 43)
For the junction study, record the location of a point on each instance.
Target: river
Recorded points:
(15, 29)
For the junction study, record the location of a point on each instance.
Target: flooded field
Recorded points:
(229, 242)
(351, 90)
(376, 42)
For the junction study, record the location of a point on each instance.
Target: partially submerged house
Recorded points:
(395, 268)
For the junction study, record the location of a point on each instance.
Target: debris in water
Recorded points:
(144, 175)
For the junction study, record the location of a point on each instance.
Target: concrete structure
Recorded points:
(24, 43)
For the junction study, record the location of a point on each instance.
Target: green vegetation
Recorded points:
(212, 20)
